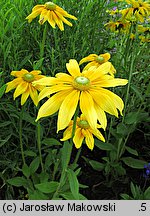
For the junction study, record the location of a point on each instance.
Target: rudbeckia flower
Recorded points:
(118, 26)
(82, 131)
(138, 10)
(23, 85)
(87, 89)
(96, 61)
(52, 13)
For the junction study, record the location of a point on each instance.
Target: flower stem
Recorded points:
(20, 136)
(63, 174)
(39, 143)
(120, 145)
(42, 45)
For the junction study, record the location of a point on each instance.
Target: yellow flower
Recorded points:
(83, 130)
(23, 85)
(137, 11)
(85, 88)
(52, 13)
(144, 39)
(132, 36)
(96, 61)
(142, 29)
(118, 26)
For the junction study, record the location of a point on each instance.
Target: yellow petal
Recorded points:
(21, 88)
(116, 99)
(90, 57)
(63, 19)
(67, 134)
(19, 73)
(46, 81)
(87, 108)
(52, 104)
(34, 14)
(57, 21)
(13, 84)
(53, 89)
(64, 13)
(67, 109)
(24, 97)
(78, 138)
(104, 101)
(89, 140)
(43, 16)
(101, 116)
(35, 72)
(106, 56)
(50, 19)
(73, 68)
(110, 82)
(99, 72)
(33, 94)
(91, 66)
(98, 134)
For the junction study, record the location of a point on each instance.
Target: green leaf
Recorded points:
(44, 177)
(125, 196)
(47, 187)
(131, 151)
(2, 142)
(65, 154)
(96, 165)
(38, 64)
(30, 153)
(51, 142)
(69, 196)
(104, 146)
(26, 170)
(134, 163)
(28, 118)
(34, 165)
(122, 129)
(2, 90)
(147, 194)
(136, 117)
(74, 184)
(18, 181)
(133, 190)
(4, 124)
(37, 195)
(138, 93)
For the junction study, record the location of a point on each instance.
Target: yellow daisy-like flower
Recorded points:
(52, 13)
(138, 10)
(144, 39)
(87, 89)
(83, 130)
(96, 61)
(23, 85)
(118, 26)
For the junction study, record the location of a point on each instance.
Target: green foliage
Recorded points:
(53, 174)
(137, 193)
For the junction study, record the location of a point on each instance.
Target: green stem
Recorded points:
(63, 174)
(77, 156)
(20, 136)
(120, 145)
(42, 45)
(39, 143)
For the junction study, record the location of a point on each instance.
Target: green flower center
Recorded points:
(28, 77)
(50, 6)
(100, 59)
(83, 124)
(81, 83)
